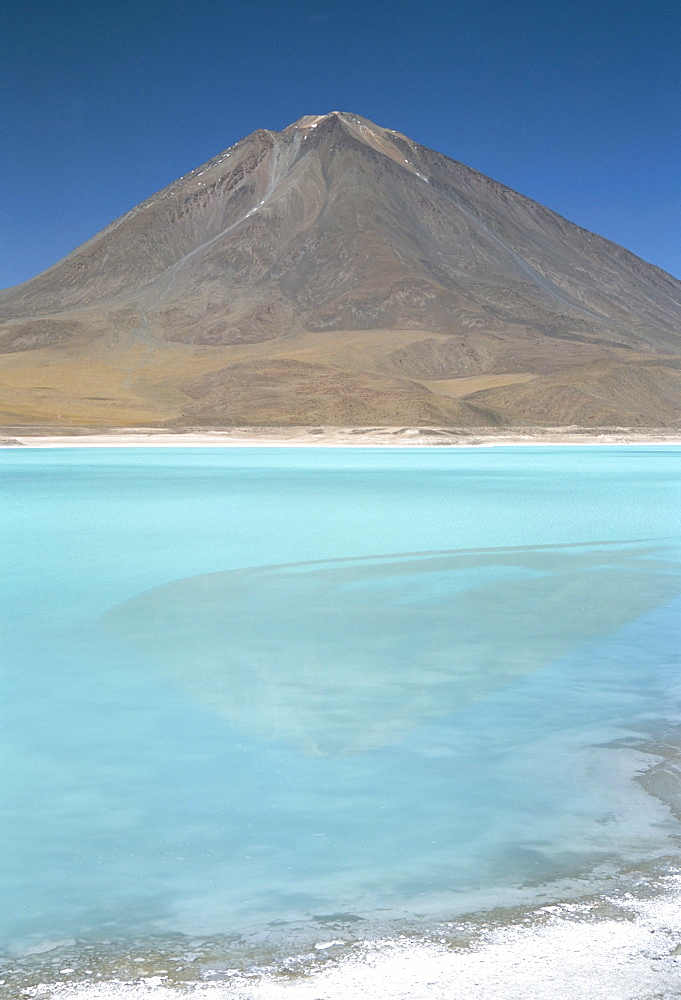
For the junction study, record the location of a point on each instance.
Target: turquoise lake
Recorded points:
(257, 700)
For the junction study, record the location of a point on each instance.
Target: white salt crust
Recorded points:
(570, 956)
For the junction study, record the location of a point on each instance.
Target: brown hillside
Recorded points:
(338, 272)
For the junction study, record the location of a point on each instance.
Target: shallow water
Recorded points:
(258, 701)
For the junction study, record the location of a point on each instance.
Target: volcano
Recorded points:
(340, 273)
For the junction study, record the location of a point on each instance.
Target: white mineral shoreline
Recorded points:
(332, 437)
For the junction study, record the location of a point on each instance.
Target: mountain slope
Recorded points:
(340, 260)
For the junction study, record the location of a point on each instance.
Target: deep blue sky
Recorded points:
(576, 104)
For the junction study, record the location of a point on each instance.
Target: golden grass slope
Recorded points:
(303, 382)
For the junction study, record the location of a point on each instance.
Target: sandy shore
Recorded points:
(331, 437)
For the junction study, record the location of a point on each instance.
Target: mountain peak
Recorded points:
(311, 121)
(349, 119)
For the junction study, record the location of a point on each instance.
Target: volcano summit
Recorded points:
(339, 273)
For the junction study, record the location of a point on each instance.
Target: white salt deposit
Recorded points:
(558, 953)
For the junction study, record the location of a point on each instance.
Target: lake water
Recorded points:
(279, 720)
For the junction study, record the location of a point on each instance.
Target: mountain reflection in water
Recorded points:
(336, 658)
